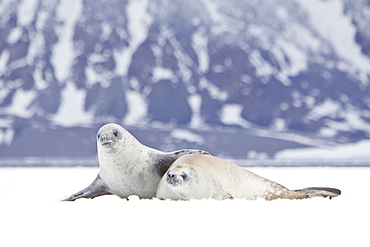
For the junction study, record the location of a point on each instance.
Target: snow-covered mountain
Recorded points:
(272, 70)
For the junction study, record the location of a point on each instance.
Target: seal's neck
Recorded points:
(125, 154)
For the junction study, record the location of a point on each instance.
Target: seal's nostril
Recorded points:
(103, 138)
(170, 175)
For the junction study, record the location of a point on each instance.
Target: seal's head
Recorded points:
(113, 137)
(109, 135)
(181, 177)
(186, 179)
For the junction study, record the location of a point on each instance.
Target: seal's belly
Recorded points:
(126, 182)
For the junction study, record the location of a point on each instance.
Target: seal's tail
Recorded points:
(316, 192)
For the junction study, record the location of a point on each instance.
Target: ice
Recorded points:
(31, 213)
(357, 151)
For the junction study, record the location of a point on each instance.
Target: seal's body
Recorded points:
(204, 176)
(127, 167)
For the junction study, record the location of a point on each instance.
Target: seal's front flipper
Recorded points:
(96, 188)
(318, 191)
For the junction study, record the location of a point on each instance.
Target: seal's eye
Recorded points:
(115, 133)
(184, 175)
(98, 136)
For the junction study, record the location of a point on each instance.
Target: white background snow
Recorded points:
(32, 215)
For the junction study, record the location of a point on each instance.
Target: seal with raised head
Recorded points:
(128, 167)
(208, 177)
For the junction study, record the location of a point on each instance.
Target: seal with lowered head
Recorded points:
(128, 167)
(208, 177)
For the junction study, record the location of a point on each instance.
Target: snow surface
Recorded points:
(31, 213)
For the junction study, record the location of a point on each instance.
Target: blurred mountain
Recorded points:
(238, 78)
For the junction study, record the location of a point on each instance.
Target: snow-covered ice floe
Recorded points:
(31, 213)
(346, 152)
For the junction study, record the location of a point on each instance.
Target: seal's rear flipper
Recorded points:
(96, 188)
(318, 191)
